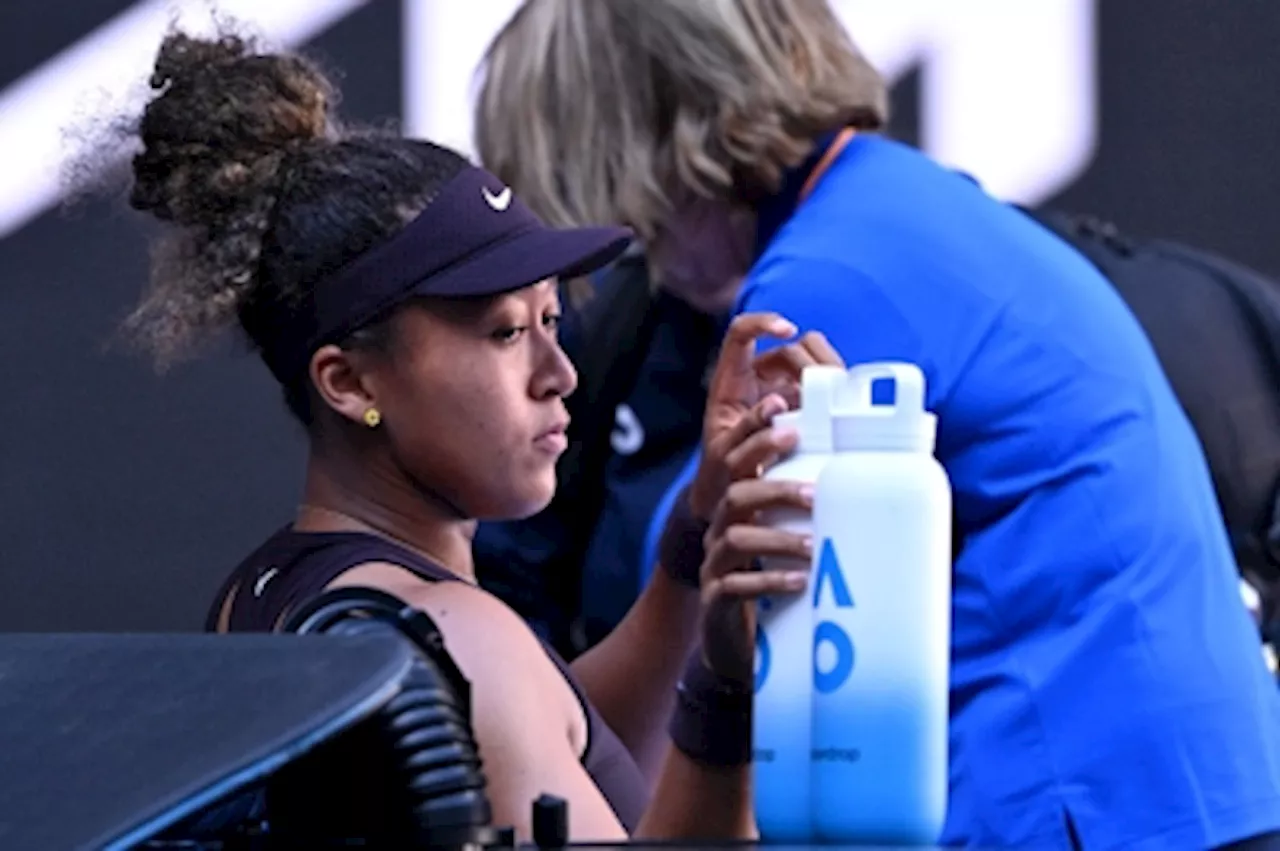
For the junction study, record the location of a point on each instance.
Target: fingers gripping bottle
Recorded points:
(882, 611)
(784, 634)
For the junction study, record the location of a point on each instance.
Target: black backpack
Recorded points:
(1215, 326)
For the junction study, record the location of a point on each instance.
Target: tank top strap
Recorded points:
(293, 567)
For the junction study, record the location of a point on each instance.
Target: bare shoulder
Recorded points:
(528, 722)
(477, 626)
(496, 650)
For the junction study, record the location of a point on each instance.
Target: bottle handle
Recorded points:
(908, 389)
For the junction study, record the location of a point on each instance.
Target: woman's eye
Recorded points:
(511, 333)
(508, 335)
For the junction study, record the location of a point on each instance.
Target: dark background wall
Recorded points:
(125, 496)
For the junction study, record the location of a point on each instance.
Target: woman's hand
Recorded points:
(739, 443)
(778, 370)
(745, 393)
(732, 577)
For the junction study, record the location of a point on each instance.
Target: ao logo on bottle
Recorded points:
(833, 652)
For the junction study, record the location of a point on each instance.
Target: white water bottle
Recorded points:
(784, 635)
(882, 611)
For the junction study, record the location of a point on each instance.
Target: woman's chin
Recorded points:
(533, 495)
(541, 499)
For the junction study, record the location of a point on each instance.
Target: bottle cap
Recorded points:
(812, 420)
(858, 424)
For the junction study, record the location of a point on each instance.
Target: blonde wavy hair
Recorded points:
(613, 111)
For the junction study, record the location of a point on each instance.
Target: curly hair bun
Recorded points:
(224, 117)
(216, 137)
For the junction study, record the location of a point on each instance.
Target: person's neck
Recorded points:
(773, 211)
(353, 495)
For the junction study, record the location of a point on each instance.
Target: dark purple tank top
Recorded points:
(292, 567)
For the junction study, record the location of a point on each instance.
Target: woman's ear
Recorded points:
(342, 383)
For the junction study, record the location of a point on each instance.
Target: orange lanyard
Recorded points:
(833, 151)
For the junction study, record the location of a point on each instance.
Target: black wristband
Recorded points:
(712, 719)
(680, 550)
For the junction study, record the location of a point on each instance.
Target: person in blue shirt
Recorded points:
(1106, 686)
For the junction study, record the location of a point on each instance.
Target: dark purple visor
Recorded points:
(475, 239)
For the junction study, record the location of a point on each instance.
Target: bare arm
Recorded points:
(721, 807)
(631, 675)
(525, 716)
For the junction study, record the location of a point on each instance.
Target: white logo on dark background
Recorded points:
(107, 69)
(499, 202)
(261, 584)
(1008, 87)
(628, 433)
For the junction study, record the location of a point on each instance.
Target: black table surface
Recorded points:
(105, 740)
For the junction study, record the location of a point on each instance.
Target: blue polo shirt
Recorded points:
(1105, 679)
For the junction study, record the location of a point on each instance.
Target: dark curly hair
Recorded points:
(264, 191)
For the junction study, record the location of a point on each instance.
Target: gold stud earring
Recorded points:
(372, 417)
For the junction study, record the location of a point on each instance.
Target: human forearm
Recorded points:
(704, 791)
(696, 801)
